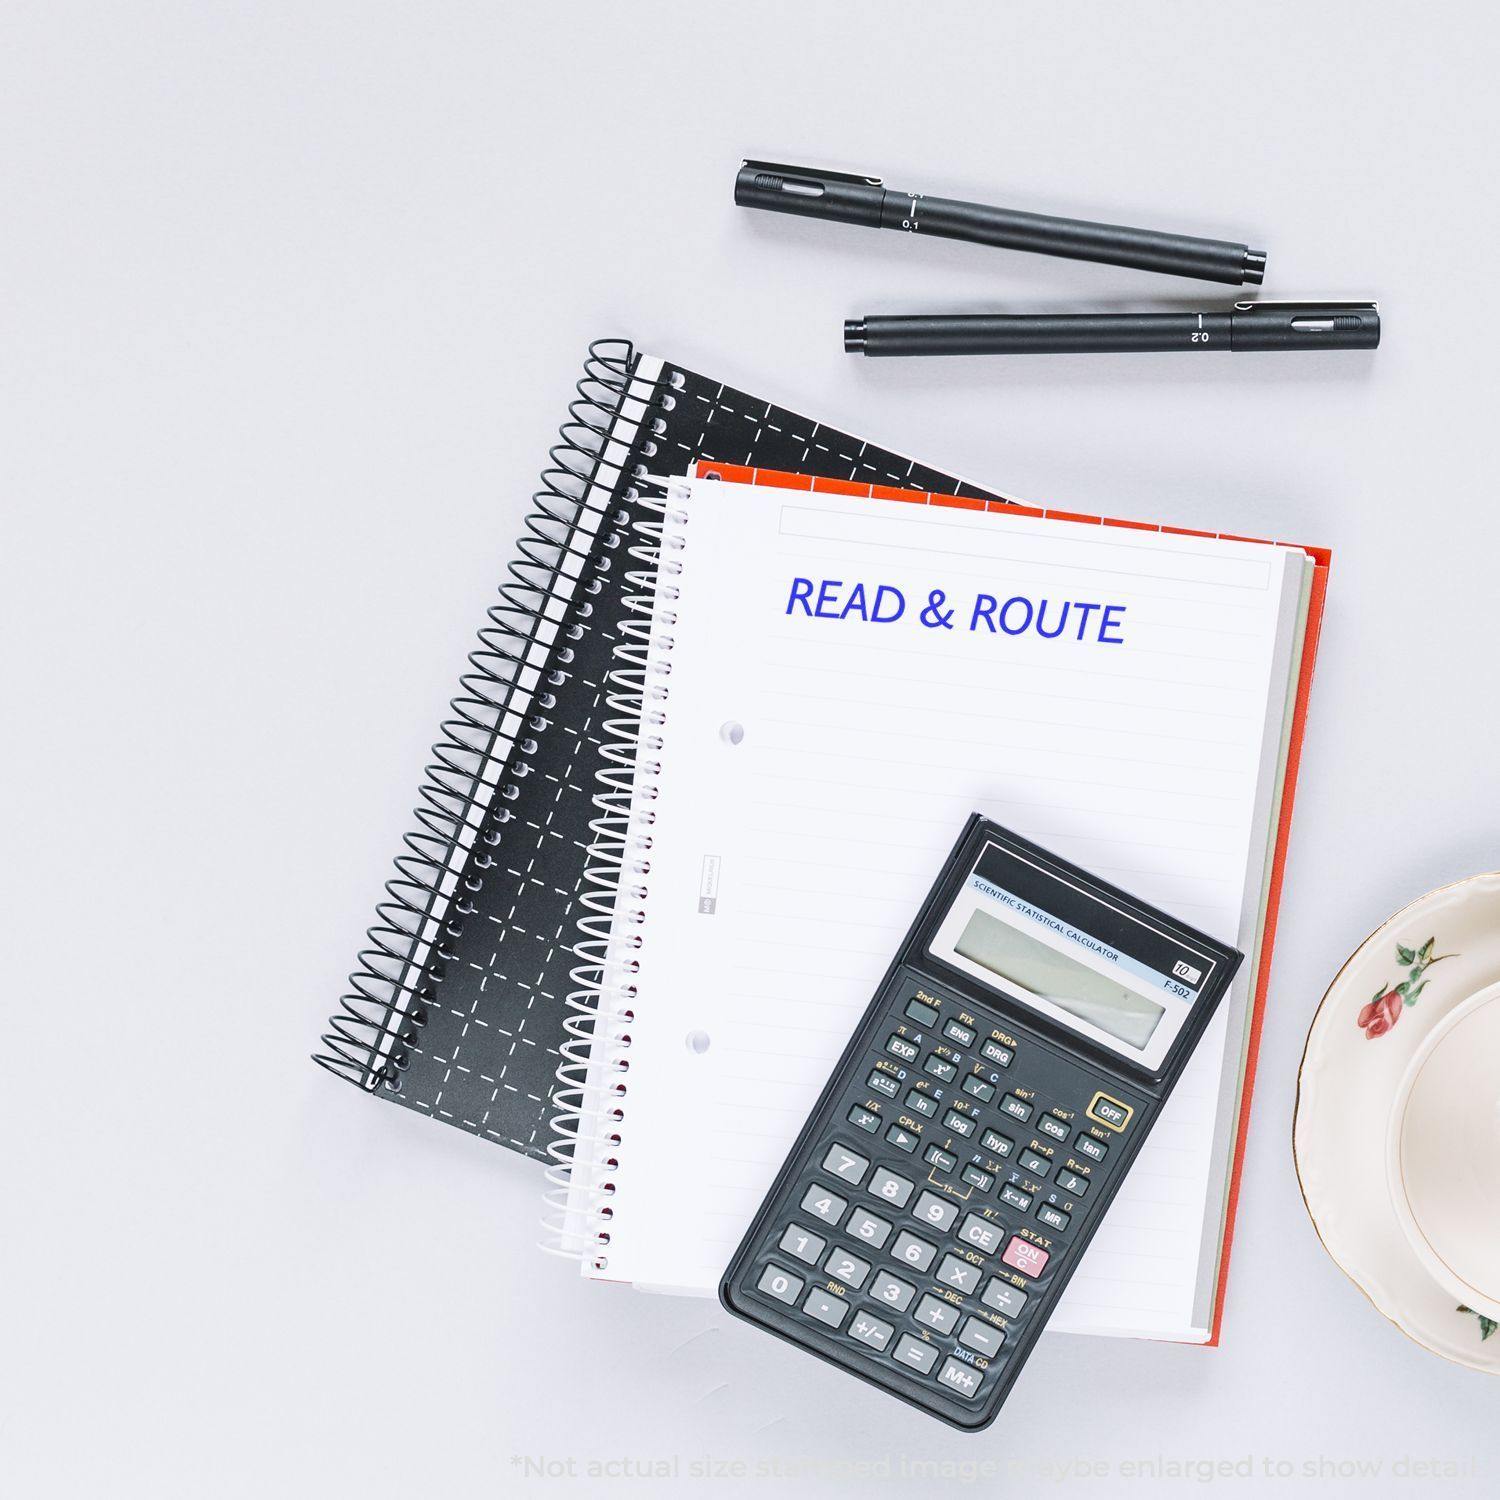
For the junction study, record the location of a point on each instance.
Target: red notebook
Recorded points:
(1303, 671)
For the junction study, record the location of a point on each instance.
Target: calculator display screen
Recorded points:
(1093, 997)
(1059, 944)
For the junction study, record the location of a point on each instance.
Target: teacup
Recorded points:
(1443, 1152)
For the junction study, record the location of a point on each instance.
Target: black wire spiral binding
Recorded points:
(371, 1036)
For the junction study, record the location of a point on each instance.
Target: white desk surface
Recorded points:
(292, 301)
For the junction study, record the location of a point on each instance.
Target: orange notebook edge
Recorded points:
(1322, 559)
(1315, 601)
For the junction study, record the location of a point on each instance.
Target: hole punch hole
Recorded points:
(731, 731)
(697, 1042)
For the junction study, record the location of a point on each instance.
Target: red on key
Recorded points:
(1028, 1259)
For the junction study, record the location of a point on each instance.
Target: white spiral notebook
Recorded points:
(828, 685)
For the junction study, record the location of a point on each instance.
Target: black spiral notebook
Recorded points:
(459, 1006)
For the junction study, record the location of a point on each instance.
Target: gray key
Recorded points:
(780, 1284)
(1017, 1108)
(975, 1085)
(849, 1269)
(1013, 1195)
(867, 1229)
(958, 1273)
(940, 1068)
(981, 1233)
(1038, 1166)
(899, 1047)
(956, 1031)
(1051, 1125)
(870, 1330)
(1003, 1297)
(917, 1353)
(824, 1203)
(883, 1083)
(997, 1144)
(914, 1252)
(895, 1190)
(997, 1053)
(981, 1337)
(1087, 1146)
(825, 1307)
(921, 1104)
(960, 1377)
(936, 1313)
(1071, 1182)
(1053, 1218)
(803, 1243)
(924, 1014)
(959, 1124)
(892, 1291)
(936, 1211)
(843, 1162)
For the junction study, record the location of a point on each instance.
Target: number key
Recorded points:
(892, 1291)
(803, 1243)
(934, 1210)
(849, 1269)
(824, 1203)
(843, 1162)
(781, 1285)
(893, 1189)
(867, 1228)
(914, 1251)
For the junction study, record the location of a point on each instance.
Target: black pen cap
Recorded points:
(1304, 325)
(805, 190)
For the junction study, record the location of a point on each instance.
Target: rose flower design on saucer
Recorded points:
(1380, 1014)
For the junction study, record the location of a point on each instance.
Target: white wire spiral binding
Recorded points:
(592, 1085)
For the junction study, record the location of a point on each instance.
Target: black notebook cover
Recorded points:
(458, 1009)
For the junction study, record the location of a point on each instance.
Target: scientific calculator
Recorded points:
(982, 1117)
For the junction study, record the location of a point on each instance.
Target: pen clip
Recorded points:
(1311, 306)
(808, 175)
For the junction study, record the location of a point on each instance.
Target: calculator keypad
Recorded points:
(924, 1228)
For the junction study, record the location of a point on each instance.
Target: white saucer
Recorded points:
(1351, 1068)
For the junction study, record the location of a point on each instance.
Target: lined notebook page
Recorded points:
(818, 760)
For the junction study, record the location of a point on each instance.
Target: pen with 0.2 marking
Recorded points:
(1245, 326)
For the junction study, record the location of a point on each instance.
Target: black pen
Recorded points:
(851, 199)
(1245, 326)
